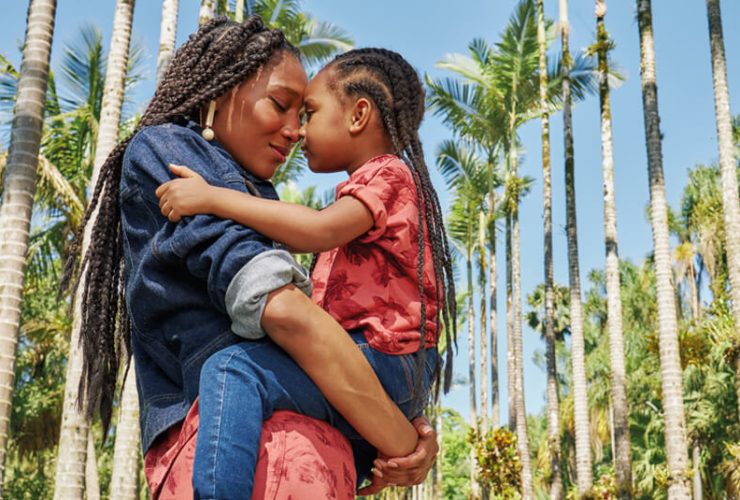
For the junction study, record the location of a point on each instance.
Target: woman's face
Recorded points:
(258, 121)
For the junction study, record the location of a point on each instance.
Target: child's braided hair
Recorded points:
(393, 85)
(219, 56)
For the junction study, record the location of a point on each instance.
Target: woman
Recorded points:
(176, 277)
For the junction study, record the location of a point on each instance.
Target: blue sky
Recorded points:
(425, 31)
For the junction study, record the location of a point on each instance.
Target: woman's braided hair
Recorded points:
(219, 56)
(393, 85)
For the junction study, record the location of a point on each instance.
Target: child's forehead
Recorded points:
(320, 87)
(320, 79)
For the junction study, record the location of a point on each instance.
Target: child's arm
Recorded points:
(301, 228)
(332, 360)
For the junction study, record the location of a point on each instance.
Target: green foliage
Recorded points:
(455, 456)
(498, 463)
(30, 477)
(317, 40)
(604, 488)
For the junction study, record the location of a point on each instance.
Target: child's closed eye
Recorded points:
(306, 115)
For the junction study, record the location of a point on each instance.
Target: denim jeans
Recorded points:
(243, 384)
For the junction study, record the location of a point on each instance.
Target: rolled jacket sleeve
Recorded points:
(247, 294)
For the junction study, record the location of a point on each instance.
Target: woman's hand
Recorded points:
(409, 470)
(188, 195)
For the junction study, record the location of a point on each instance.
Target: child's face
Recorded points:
(258, 121)
(326, 138)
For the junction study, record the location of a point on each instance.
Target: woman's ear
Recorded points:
(362, 111)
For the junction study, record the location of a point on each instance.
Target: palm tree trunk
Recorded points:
(584, 474)
(92, 483)
(74, 431)
(483, 318)
(510, 358)
(471, 370)
(553, 427)
(207, 11)
(124, 477)
(69, 481)
(695, 459)
(670, 362)
(239, 11)
(622, 458)
(727, 160)
(492, 325)
(18, 192)
(521, 413)
(167, 35)
(437, 488)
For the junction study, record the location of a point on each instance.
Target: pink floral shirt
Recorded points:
(372, 282)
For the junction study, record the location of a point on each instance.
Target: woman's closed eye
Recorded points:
(280, 106)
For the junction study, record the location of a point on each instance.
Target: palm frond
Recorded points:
(295, 164)
(322, 40)
(83, 70)
(464, 66)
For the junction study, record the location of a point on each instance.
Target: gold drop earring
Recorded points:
(207, 132)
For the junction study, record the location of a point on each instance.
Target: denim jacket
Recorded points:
(195, 286)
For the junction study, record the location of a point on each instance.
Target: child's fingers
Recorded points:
(164, 207)
(169, 212)
(182, 171)
(162, 189)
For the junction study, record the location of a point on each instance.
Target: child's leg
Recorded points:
(242, 385)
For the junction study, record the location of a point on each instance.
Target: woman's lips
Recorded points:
(280, 153)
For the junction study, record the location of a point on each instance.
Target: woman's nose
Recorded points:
(291, 131)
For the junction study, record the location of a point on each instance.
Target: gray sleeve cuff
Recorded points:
(247, 293)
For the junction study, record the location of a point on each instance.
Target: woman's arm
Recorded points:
(301, 228)
(332, 360)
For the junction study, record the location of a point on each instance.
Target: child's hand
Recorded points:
(189, 195)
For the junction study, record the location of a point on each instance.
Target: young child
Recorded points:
(383, 267)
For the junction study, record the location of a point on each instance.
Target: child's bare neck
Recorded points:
(367, 153)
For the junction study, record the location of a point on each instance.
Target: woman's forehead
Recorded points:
(284, 71)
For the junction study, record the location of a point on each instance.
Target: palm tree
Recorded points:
(584, 474)
(75, 427)
(18, 192)
(553, 426)
(167, 34)
(207, 11)
(514, 193)
(670, 363)
(618, 379)
(124, 481)
(461, 105)
(503, 83)
(727, 162)
(463, 170)
(510, 359)
(493, 310)
(483, 330)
